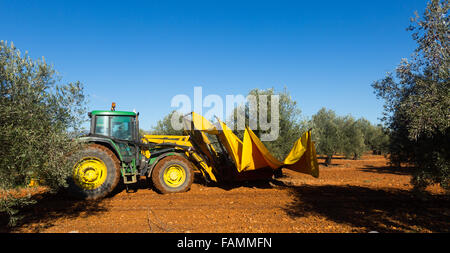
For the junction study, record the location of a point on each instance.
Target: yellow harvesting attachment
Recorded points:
(232, 159)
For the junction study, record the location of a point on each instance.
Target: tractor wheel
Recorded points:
(173, 174)
(95, 174)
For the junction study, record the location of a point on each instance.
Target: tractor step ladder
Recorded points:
(129, 178)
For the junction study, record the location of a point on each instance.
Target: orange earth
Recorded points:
(350, 196)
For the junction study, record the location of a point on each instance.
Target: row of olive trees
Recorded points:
(345, 135)
(332, 134)
(291, 124)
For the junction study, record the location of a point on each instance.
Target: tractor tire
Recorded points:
(172, 174)
(95, 174)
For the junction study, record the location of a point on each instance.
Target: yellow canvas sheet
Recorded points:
(251, 154)
(231, 143)
(302, 157)
(255, 155)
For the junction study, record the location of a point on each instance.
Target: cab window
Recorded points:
(102, 125)
(121, 127)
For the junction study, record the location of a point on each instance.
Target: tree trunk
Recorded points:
(328, 160)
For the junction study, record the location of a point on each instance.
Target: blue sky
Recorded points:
(140, 54)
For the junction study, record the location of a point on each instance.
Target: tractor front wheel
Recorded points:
(173, 174)
(95, 174)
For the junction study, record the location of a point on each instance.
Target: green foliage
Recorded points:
(142, 132)
(417, 100)
(379, 143)
(344, 135)
(351, 137)
(164, 126)
(376, 138)
(11, 204)
(37, 112)
(291, 124)
(326, 133)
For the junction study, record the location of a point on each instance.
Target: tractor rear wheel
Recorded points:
(95, 174)
(173, 174)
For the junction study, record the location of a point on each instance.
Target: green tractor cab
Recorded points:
(114, 151)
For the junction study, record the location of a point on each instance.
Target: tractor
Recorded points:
(115, 152)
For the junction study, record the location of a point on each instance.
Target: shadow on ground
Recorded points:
(259, 179)
(388, 170)
(369, 209)
(48, 208)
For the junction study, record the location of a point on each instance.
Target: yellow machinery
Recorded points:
(238, 159)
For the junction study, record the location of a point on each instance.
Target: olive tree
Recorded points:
(291, 124)
(39, 117)
(351, 137)
(417, 100)
(326, 133)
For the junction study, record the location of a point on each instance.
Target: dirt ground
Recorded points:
(351, 196)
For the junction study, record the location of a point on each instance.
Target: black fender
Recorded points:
(105, 142)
